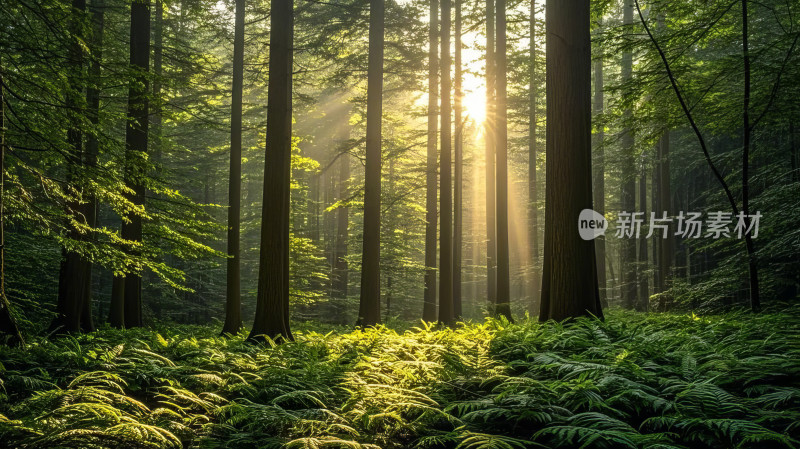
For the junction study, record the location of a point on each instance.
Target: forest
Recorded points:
(465, 224)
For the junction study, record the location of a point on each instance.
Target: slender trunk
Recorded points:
(370, 305)
(233, 298)
(8, 325)
(667, 247)
(644, 289)
(158, 51)
(491, 235)
(272, 301)
(755, 300)
(342, 223)
(533, 213)
(628, 194)
(429, 305)
(458, 147)
(599, 189)
(569, 282)
(503, 306)
(445, 186)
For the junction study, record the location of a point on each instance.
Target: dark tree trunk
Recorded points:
(233, 294)
(116, 311)
(569, 282)
(8, 325)
(272, 302)
(628, 194)
(445, 186)
(369, 313)
(755, 299)
(491, 234)
(667, 245)
(599, 190)
(458, 165)
(533, 213)
(135, 149)
(644, 289)
(503, 306)
(158, 51)
(429, 305)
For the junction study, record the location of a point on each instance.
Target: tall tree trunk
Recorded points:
(8, 325)
(458, 188)
(369, 313)
(233, 294)
(136, 135)
(667, 245)
(445, 186)
(503, 306)
(533, 213)
(429, 305)
(569, 282)
(491, 224)
(598, 166)
(272, 301)
(158, 51)
(628, 194)
(644, 289)
(755, 299)
(342, 222)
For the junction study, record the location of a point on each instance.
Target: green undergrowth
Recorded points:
(633, 381)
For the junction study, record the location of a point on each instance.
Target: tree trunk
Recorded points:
(533, 213)
(503, 306)
(158, 51)
(136, 147)
(644, 289)
(340, 277)
(628, 194)
(233, 298)
(599, 190)
(445, 193)
(667, 245)
(569, 282)
(458, 147)
(8, 325)
(272, 301)
(491, 234)
(429, 305)
(369, 313)
(116, 311)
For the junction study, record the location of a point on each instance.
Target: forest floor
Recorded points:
(633, 381)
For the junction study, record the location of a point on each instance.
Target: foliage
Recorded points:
(659, 381)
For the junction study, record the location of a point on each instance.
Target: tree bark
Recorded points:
(272, 301)
(491, 234)
(431, 216)
(644, 289)
(533, 213)
(667, 245)
(569, 282)
(370, 304)
(233, 294)
(458, 166)
(340, 269)
(599, 190)
(446, 313)
(628, 194)
(503, 305)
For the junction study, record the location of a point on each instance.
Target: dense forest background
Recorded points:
(197, 166)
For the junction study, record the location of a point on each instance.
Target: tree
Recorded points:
(458, 188)
(272, 301)
(340, 268)
(129, 294)
(369, 313)
(533, 213)
(569, 281)
(598, 168)
(628, 191)
(491, 224)
(429, 305)
(503, 301)
(233, 295)
(446, 315)
(8, 325)
(644, 294)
